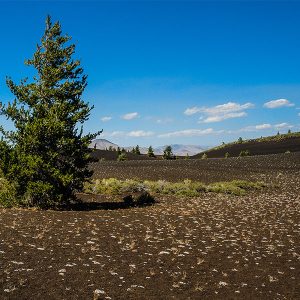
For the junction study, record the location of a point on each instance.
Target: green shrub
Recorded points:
(227, 154)
(244, 153)
(122, 157)
(204, 156)
(225, 188)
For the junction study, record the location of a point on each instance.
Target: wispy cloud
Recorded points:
(219, 118)
(189, 133)
(130, 116)
(159, 120)
(266, 126)
(263, 126)
(113, 134)
(192, 110)
(134, 133)
(283, 126)
(106, 119)
(164, 121)
(220, 112)
(278, 103)
(139, 133)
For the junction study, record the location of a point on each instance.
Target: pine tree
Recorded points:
(49, 152)
(118, 150)
(137, 150)
(168, 154)
(150, 152)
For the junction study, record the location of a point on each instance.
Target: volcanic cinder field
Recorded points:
(215, 246)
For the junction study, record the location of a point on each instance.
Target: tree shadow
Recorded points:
(99, 202)
(89, 206)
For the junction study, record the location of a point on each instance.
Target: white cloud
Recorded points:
(219, 118)
(192, 110)
(226, 108)
(113, 134)
(106, 119)
(140, 133)
(299, 114)
(130, 116)
(136, 133)
(220, 112)
(263, 126)
(278, 103)
(283, 125)
(188, 133)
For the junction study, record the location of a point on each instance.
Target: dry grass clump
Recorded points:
(235, 187)
(187, 188)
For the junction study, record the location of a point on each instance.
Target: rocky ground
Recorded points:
(212, 247)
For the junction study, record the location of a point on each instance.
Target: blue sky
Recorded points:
(164, 72)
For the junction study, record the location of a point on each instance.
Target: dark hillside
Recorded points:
(262, 146)
(113, 155)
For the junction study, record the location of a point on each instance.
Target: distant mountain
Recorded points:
(178, 149)
(102, 144)
(181, 150)
(143, 150)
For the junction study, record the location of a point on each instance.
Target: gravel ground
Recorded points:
(212, 247)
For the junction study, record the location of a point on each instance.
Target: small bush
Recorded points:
(244, 153)
(287, 152)
(225, 188)
(227, 154)
(204, 156)
(122, 156)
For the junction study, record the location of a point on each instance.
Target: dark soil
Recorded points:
(255, 147)
(209, 170)
(212, 247)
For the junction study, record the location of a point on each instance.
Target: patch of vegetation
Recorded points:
(187, 188)
(244, 153)
(122, 157)
(204, 156)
